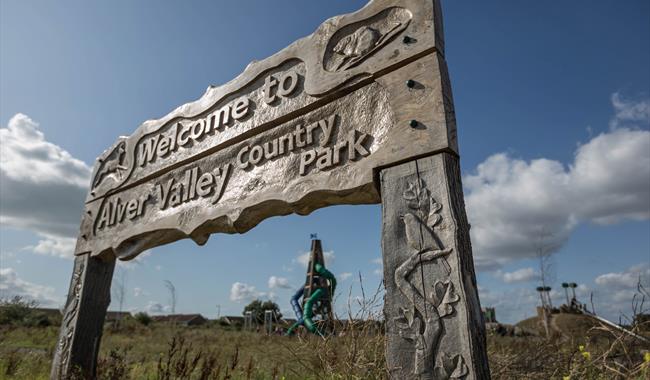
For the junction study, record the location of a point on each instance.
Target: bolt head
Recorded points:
(407, 39)
(410, 83)
(413, 123)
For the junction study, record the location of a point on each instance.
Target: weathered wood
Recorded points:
(434, 325)
(83, 319)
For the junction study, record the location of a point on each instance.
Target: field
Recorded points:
(163, 351)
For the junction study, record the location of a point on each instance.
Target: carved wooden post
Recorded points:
(434, 325)
(83, 318)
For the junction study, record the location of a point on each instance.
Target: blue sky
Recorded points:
(553, 110)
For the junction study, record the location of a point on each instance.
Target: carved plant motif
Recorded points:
(420, 223)
(421, 321)
(67, 329)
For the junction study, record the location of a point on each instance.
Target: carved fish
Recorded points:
(362, 43)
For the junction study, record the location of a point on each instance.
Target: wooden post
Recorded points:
(83, 319)
(434, 324)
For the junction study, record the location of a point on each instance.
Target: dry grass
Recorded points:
(166, 352)
(162, 352)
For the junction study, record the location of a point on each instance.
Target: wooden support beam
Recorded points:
(434, 325)
(83, 319)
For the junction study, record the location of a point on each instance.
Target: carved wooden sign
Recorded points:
(358, 112)
(305, 128)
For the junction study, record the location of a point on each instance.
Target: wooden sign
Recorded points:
(358, 112)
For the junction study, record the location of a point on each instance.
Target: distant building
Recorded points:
(489, 315)
(181, 319)
(112, 316)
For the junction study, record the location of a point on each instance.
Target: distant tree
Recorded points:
(19, 311)
(143, 318)
(257, 308)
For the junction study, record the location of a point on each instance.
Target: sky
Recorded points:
(553, 109)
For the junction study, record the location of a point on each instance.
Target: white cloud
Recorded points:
(612, 296)
(278, 282)
(378, 272)
(303, 258)
(52, 245)
(512, 202)
(627, 279)
(519, 275)
(42, 187)
(344, 276)
(154, 307)
(11, 285)
(244, 292)
(378, 261)
(629, 111)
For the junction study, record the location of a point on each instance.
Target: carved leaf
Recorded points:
(407, 324)
(461, 369)
(451, 367)
(444, 297)
(446, 306)
(439, 290)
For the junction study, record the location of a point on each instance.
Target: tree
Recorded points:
(172, 295)
(258, 307)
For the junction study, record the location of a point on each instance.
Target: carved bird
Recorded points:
(418, 235)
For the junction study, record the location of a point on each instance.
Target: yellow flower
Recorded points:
(581, 348)
(646, 357)
(566, 378)
(586, 355)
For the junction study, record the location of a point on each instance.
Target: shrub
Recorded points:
(143, 318)
(20, 312)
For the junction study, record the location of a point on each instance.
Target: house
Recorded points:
(181, 319)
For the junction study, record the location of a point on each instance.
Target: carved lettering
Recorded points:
(193, 185)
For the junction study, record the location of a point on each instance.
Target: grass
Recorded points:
(161, 351)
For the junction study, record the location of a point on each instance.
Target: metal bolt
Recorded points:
(407, 40)
(410, 83)
(413, 123)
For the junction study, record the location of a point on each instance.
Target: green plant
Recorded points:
(18, 311)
